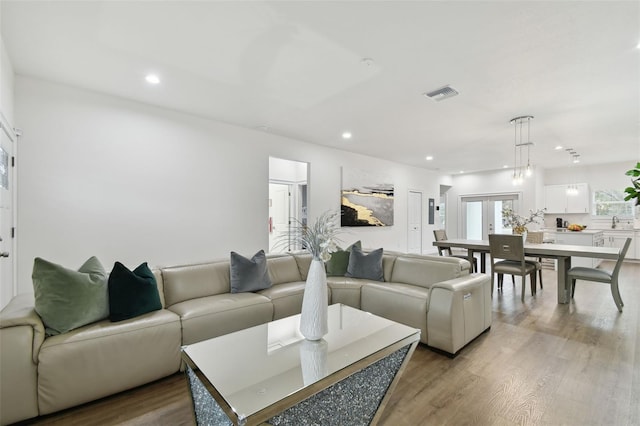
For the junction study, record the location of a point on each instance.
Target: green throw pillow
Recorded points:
(67, 299)
(132, 293)
(337, 265)
(366, 266)
(249, 274)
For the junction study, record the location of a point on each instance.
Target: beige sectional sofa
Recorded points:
(42, 375)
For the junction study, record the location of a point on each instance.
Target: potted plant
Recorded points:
(633, 191)
(320, 240)
(519, 223)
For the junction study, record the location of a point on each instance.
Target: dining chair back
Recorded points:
(507, 257)
(601, 275)
(441, 235)
(536, 237)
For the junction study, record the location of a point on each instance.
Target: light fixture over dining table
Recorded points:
(520, 171)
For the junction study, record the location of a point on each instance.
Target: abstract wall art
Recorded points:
(367, 198)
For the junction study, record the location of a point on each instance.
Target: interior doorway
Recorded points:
(288, 201)
(8, 287)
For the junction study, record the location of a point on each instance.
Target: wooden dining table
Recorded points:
(561, 252)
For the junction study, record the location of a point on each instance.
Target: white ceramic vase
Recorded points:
(313, 320)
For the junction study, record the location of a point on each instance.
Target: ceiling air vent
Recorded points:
(441, 93)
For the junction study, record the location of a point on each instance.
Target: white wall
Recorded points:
(287, 170)
(104, 176)
(489, 183)
(6, 84)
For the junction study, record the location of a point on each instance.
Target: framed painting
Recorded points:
(366, 198)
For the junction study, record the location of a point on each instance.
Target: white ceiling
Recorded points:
(296, 67)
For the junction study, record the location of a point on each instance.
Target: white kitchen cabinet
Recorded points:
(616, 239)
(581, 238)
(557, 201)
(636, 241)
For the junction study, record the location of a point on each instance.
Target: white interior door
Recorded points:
(279, 216)
(415, 222)
(7, 258)
(482, 215)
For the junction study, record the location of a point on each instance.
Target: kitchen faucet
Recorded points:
(614, 220)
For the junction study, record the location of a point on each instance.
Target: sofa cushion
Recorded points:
(105, 357)
(345, 290)
(411, 270)
(339, 261)
(249, 274)
(366, 266)
(403, 303)
(212, 316)
(286, 298)
(132, 293)
(283, 268)
(192, 281)
(66, 299)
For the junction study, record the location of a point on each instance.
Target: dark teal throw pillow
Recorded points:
(249, 274)
(337, 265)
(366, 266)
(132, 293)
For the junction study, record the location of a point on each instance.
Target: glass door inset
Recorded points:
(482, 215)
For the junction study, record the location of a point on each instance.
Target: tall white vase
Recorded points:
(313, 321)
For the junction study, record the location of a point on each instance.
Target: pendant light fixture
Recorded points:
(520, 171)
(574, 158)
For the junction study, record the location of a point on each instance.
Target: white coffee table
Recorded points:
(270, 373)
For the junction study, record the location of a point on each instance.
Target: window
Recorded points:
(610, 202)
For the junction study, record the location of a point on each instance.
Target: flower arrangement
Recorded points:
(519, 223)
(319, 238)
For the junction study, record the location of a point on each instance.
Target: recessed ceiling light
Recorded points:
(429, 157)
(505, 167)
(152, 79)
(346, 135)
(461, 171)
(559, 147)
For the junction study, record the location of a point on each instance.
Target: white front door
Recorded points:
(415, 222)
(279, 216)
(7, 258)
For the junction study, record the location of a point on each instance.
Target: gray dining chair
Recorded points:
(601, 276)
(441, 235)
(536, 237)
(507, 257)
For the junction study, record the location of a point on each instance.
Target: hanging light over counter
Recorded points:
(520, 171)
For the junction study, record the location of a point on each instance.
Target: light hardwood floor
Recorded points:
(541, 363)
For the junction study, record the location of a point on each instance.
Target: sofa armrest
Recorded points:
(20, 312)
(464, 283)
(458, 310)
(21, 336)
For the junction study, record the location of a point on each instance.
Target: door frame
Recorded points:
(13, 136)
(516, 196)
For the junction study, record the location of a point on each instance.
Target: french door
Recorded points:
(482, 215)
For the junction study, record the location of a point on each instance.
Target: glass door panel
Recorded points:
(482, 215)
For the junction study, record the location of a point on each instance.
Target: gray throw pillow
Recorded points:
(66, 299)
(367, 266)
(249, 274)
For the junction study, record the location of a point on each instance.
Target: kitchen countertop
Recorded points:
(591, 231)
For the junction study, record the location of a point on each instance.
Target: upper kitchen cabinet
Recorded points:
(557, 200)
